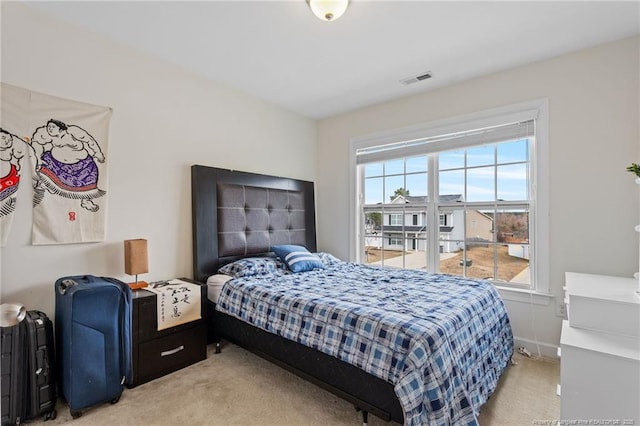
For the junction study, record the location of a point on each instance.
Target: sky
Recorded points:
(494, 171)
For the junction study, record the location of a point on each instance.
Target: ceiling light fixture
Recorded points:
(328, 10)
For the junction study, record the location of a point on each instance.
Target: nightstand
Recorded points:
(156, 353)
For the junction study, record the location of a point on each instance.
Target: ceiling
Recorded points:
(280, 52)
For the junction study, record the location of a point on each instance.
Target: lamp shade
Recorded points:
(136, 260)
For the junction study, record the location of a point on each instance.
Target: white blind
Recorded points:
(447, 142)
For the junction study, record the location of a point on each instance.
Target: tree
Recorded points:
(400, 191)
(375, 218)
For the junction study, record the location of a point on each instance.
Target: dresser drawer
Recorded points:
(163, 355)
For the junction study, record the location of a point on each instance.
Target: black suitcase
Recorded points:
(41, 382)
(28, 381)
(13, 368)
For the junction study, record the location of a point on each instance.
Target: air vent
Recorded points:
(416, 78)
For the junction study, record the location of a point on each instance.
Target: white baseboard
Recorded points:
(547, 350)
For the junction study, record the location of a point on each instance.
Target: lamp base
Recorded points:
(137, 285)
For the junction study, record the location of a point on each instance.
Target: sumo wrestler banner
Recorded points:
(68, 143)
(14, 153)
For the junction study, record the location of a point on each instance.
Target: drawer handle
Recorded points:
(172, 351)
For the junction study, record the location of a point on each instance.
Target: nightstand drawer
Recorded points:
(148, 320)
(145, 316)
(166, 354)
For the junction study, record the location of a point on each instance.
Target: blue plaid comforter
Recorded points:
(441, 340)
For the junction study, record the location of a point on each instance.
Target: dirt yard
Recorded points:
(481, 262)
(375, 255)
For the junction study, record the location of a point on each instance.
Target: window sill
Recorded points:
(525, 296)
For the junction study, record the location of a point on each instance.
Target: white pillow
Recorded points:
(214, 286)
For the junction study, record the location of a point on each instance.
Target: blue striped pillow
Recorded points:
(298, 258)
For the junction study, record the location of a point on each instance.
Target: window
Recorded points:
(396, 241)
(473, 180)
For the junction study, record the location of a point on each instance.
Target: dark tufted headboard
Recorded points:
(240, 214)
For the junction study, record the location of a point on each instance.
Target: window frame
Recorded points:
(539, 228)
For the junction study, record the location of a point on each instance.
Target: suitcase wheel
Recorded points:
(115, 400)
(75, 414)
(51, 415)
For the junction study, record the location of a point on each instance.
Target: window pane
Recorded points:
(512, 226)
(451, 230)
(393, 250)
(511, 152)
(450, 244)
(372, 223)
(393, 185)
(476, 257)
(480, 261)
(479, 226)
(481, 184)
(512, 230)
(394, 167)
(481, 156)
(416, 256)
(513, 263)
(451, 159)
(416, 164)
(451, 182)
(373, 169)
(451, 253)
(449, 247)
(513, 182)
(417, 187)
(372, 248)
(373, 191)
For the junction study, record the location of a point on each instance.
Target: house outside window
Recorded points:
(476, 185)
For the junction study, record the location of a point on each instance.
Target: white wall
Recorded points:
(593, 136)
(164, 120)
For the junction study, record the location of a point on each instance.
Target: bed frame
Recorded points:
(238, 214)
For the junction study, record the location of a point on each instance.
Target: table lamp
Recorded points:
(136, 260)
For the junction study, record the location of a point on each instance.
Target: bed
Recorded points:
(407, 346)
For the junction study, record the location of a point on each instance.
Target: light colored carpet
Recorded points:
(239, 388)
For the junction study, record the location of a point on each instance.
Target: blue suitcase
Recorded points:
(93, 340)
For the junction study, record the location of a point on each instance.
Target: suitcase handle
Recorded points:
(64, 285)
(172, 351)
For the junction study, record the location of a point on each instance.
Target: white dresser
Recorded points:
(600, 350)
